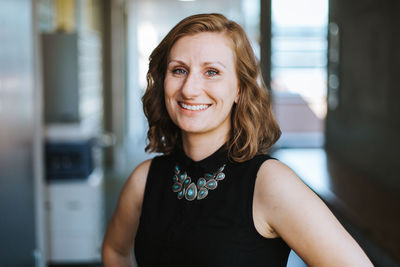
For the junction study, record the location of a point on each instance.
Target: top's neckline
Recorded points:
(209, 164)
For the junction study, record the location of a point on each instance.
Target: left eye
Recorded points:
(211, 72)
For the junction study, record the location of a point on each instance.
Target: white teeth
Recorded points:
(193, 107)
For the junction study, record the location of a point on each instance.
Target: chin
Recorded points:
(192, 130)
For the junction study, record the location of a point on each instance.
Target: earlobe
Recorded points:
(237, 99)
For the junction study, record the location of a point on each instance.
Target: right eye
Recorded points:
(179, 71)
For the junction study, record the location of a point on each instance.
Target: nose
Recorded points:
(192, 87)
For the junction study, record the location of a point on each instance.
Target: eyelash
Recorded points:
(214, 72)
(178, 71)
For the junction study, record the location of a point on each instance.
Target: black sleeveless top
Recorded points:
(215, 231)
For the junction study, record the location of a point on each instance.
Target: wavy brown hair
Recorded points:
(254, 129)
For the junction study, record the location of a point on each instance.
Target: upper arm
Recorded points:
(121, 230)
(299, 216)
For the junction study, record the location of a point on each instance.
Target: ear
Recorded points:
(237, 98)
(238, 91)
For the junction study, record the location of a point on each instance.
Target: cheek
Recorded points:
(168, 102)
(168, 90)
(166, 87)
(232, 95)
(170, 87)
(169, 108)
(168, 99)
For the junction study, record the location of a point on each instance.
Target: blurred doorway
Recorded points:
(298, 70)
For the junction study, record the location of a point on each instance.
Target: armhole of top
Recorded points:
(257, 165)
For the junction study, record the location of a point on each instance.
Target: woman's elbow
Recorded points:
(113, 257)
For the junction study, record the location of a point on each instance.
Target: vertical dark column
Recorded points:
(363, 127)
(107, 77)
(114, 70)
(265, 41)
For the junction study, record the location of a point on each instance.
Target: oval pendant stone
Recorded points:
(221, 168)
(220, 176)
(201, 182)
(175, 178)
(191, 192)
(208, 175)
(202, 193)
(181, 193)
(187, 181)
(211, 184)
(177, 169)
(182, 177)
(176, 187)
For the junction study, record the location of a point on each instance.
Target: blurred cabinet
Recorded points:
(75, 213)
(75, 199)
(72, 78)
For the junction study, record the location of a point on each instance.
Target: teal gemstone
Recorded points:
(208, 175)
(186, 181)
(202, 192)
(201, 183)
(190, 192)
(211, 184)
(180, 193)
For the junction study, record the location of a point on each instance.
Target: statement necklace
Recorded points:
(185, 187)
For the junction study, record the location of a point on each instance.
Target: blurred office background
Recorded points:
(72, 73)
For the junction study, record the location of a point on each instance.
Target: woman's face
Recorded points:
(201, 83)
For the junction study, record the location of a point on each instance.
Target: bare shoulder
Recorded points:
(136, 183)
(276, 178)
(294, 212)
(132, 193)
(277, 188)
(273, 168)
(281, 192)
(139, 174)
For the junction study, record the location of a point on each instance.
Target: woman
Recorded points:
(214, 198)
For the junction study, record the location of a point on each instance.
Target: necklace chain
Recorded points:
(185, 187)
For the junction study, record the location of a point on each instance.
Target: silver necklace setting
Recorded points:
(188, 189)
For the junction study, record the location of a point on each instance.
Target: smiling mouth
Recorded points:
(193, 107)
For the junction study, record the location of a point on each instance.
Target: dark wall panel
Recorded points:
(364, 129)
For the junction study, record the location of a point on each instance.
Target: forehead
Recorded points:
(206, 46)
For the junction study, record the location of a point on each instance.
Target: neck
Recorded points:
(200, 146)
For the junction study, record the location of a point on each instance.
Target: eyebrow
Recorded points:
(204, 63)
(176, 61)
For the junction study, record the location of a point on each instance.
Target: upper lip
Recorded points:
(192, 104)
